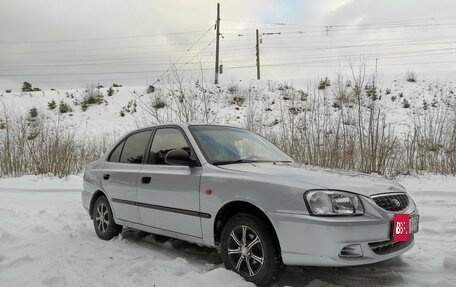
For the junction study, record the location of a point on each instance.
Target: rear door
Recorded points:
(168, 195)
(120, 175)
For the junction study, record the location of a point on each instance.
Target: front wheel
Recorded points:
(103, 220)
(249, 247)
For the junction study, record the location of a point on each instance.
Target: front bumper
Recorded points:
(307, 240)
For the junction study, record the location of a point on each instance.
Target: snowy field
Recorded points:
(47, 239)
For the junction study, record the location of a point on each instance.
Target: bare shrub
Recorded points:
(27, 87)
(159, 104)
(33, 113)
(324, 83)
(177, 102)
(42, 147)
(431, 144)
(110, 91)
(233, 88)
(64, 107)
(237, 100)
(410, 76)
(355, 135)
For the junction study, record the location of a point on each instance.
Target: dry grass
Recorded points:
(41, 147)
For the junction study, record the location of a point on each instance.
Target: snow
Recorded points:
(47, 182)
(435, 182)
(47, 239)
(266, 102)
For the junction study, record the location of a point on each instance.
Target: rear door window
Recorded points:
(115, 155)
(135, 147)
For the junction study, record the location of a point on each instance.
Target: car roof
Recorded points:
(182, 125)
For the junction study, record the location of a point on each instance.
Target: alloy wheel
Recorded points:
(245, 251)
(102, 217)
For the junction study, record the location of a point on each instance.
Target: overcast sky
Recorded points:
(74, 43)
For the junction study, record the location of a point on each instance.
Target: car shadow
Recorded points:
(377, 274)
(386, 273)
(174, 247)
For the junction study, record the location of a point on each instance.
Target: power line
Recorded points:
(344, 32)
(331, 40)
(238, 54)
(306, 48)
(388, 23)
(92, 49)
(208, 69)
(320, 64)
(15, 68)
(191, 47)
(127, 72)
(406, 54)
(101, 38)
(89, 73)
(117, 59)
(340, 30)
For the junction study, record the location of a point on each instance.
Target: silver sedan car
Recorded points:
(229, 188)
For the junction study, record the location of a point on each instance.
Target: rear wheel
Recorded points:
(250, 248)
(103, 220)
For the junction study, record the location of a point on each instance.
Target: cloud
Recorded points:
(130, 41)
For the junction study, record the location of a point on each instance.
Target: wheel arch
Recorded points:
(94, 198)
(235, 207)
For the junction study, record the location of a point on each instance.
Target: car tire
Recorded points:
(249, 247)
(103, 220)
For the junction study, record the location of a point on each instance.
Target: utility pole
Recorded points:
(217, 42)
(258, 54)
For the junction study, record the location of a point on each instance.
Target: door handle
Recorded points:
(106, 176)
(146, 179)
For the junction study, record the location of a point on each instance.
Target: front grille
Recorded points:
(389, 246)
(391, 201)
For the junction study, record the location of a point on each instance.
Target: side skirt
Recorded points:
(160, 231)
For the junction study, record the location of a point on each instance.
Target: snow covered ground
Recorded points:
(47, 239)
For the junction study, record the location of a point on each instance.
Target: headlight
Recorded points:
(328, 202)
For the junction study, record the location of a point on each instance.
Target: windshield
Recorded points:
(225, 145)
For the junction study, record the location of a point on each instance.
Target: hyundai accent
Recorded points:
(231, 189)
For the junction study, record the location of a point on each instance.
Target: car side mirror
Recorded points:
(178, 157)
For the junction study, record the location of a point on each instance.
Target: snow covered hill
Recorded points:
(391, 129)
(47, 239)
(262, 102)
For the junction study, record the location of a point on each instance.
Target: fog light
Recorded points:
(351, 251)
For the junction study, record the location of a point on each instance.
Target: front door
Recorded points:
(168, 195)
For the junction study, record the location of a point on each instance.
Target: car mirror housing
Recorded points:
(178, 157)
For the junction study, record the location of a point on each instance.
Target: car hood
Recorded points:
(324, 178)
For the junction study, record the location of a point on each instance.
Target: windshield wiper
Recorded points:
(249, 161)
(235, 161)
